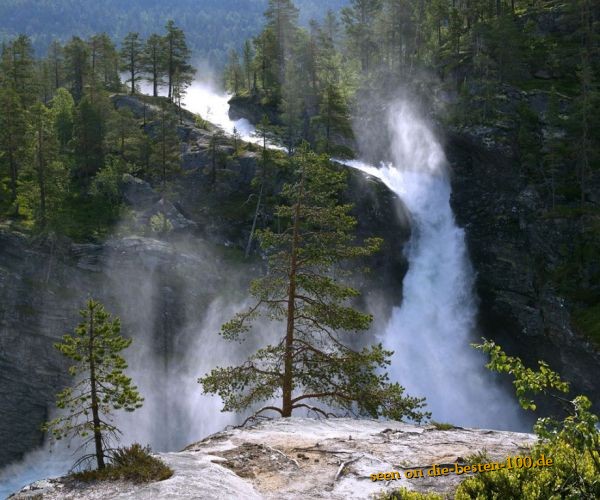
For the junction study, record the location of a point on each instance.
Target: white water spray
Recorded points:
(431, 331)
(212, 105)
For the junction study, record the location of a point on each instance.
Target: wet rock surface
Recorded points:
(300, 458)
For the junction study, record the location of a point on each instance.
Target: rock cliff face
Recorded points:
(306, 459)
(144, 280)
(515, 250)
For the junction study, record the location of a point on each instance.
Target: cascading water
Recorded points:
(431, 331)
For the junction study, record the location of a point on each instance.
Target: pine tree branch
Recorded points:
(322, 395)
(255, 415)
(315, 409)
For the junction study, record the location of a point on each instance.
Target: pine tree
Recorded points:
(248, 69)
(63, 109)
(56, 61)
(177, 56)
(266, 62)
(101, 385)
(131, 59)
(292, 108)
(154, 61)
(104, 64)
(13, 140)
(359, 20)
(216, 156)
(45, 177)
(124, 136)
(89, 132)
(181, 82)
(46, 150)
(165, 153)
(17, 69)
(234, 74)
(77, 67)
(333, 118)
(282, 21)
(265, 132)
(303, 294)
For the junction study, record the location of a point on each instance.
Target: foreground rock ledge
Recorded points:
(301, 458)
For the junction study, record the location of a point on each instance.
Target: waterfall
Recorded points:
(431, 331)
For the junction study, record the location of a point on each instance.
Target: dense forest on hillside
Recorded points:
(525, 72)
(212, 26)
(65, 146)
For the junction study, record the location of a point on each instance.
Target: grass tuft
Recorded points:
(133, 463)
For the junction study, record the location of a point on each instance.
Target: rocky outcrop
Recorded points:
(252, 109)
(515, 251)
(305, 459)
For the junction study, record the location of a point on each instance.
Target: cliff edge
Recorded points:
(302, 458)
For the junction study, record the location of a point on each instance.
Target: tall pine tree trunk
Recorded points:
(94, 394)
(288, 373)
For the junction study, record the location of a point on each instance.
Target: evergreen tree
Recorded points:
(333, 118)
(63, 109)
(56, 61)
(154, 61)
(282, 21)
(18, 69)
(248, 70)
(77, 66)
(301, 291)
(13, 140)
(265, 132)
(89, 132)
(177, 56)
(234, 74)
(166, 149)
(124, 136)
(216, 156)
(132, 59)
(104, 63)
(266, 62)
(292, 108)
(181, 82)
(46, 177)
(101, 385)
(359, 21)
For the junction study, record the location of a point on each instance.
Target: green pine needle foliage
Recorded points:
(305, 294)
(100, 384)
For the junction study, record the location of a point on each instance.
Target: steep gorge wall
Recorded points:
(515, 251)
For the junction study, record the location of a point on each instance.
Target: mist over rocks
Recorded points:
(302, 458)
(172, 292)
